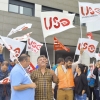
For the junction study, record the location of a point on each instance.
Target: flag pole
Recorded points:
(47, 52)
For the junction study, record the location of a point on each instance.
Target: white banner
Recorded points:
(89, 12)
(20, 28)
(97, 56)
(23, 38)
(15, 47)
(5, 80)
(33, 45)
(56, 22)
(93, 26)
(88, 45)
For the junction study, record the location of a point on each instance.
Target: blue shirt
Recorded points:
(54, 67)
(37, 67)
(91, 80)
(17, 77)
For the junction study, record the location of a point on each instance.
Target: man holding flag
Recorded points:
(22, 86)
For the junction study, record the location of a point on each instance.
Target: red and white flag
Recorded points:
(5, 80)
(89, 35)
(59, 46)
(56, 22)
(33, 45)
(89, 12)
(20, 28)
(15, 47)
(30, 68)
(23, 38)
(88, 45)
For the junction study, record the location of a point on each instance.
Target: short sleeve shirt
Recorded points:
(17, 77)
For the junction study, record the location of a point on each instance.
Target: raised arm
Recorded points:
(74, 64)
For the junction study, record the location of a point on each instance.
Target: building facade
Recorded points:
(17, 12)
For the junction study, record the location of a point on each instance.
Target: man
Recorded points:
(43, 78)
(11, 65)
(91, 82)
(66, 78)
(21, 84)
(60, 61)
(4, 88)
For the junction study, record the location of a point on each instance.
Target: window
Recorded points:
(21, 7)
(45, 8)
(13, 8)
(25, 11)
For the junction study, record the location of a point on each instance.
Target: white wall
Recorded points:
(4, 5)
(37, 10)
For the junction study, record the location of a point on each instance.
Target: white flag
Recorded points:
(93, 26)
(20, 28)
(33, 45)
(15, 47)
(89, 12)
(56, 22)
(97, 56)
(23, 38)
(88, 45)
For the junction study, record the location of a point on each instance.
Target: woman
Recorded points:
(81, 83)
(96, 72)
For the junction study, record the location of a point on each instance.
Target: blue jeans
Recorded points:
(80, 97)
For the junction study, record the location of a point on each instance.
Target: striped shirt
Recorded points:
(44, 84)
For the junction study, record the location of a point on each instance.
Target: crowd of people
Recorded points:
(67, 80)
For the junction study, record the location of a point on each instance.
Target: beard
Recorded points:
(68, 66)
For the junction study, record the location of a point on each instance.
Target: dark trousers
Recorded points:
(97, 94)
(92, 91)
(55, 92)
(4, 98)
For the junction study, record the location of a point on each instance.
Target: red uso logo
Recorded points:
(89, 10)
(33, 44)
(56, 23)
(91, 48)
(17, 52)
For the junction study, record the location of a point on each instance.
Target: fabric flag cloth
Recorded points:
(20, 28)
(89, 12)
(5, 80)
(55, 22)
(30, 68)
(93, 26)
(33, 45)
(88, 45)
(89, 35)
(23, 38)
(97, 56)
(15, 47)
(59, 46)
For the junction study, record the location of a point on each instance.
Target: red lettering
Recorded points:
(97, 10)
(50, 23)
(91, 48)
(55, 19)
(91, 11)
(82, 11)
(65, 22)
(85, 46)
(17, 52)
